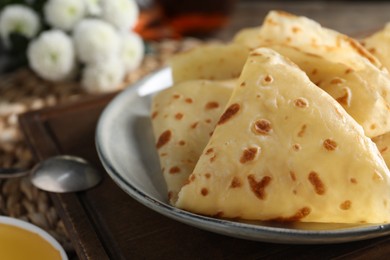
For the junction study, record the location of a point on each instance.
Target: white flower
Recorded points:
(93, 7)
(123, 14)
(52, 55)
(95, 40)
(64, 14)
(18, 19)
(103, 76)
(132, 50)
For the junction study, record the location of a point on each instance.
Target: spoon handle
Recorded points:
(7, 173)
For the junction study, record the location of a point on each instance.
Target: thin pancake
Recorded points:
(285, 150)
(183, 117)
(364, 92)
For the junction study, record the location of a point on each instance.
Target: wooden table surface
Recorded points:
(105, 223)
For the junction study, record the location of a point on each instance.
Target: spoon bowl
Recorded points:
(63, 173)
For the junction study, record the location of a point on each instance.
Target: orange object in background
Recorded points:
(177, 18)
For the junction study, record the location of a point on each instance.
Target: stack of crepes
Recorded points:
(279, 124)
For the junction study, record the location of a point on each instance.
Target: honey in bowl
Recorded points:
(21, 240)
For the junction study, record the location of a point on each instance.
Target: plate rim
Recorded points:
(252, 231)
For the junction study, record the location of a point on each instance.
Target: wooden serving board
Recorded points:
(106, 223)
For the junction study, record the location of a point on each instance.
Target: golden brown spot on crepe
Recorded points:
(268, 79)
(258, 188)
(179, 116)
(154, 114)
(194, 125)
(315, 180)
(212, 159)
(295, 29)
(188, 100)
(384, 149)
(318, 83)
(209, 151)
(229, 113)
(345, 99)
(293, 176)
(373, 126)
(349, 70)
(372, 50)
(174, 170)
(346, 205)
(301, 103)
(288, 39)
(176, 96)
(212, 105)
(359, 49)
(336, 81)
(329, 144)
(255, 54)
(163, 154)
(243, 84)
(314, 72)
(204, 191)
(302, 131)
(207, 175)
(353, 180)
(182, 142)
(208, 120)
(236, 182)
(271, 22)
(262, 126)
(296, 147)
(300, 214)
(249, 154)
(164, 139)
(211, 133)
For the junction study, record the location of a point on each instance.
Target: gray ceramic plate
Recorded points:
(125, 145)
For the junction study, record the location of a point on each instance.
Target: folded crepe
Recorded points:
(298, 31)
(183, 118)
(356, 78)
(361, 91)
(286, 150)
